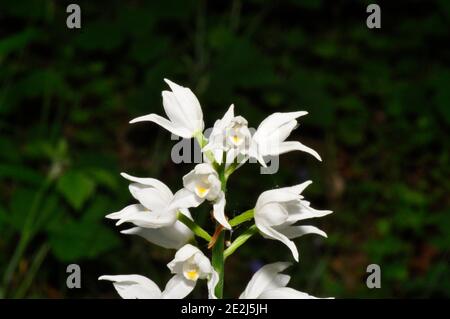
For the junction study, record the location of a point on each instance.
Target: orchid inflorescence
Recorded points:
(163, 218)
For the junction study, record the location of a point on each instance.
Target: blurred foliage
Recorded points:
(379, 104)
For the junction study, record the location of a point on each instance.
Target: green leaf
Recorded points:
(78, 240)
(20, 173)
(16, 41)
(19, 207)
(76, 187)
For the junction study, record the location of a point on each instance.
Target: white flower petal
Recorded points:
(177, 114)
(183, 254)
(152, 182)
(284, 293)
(271, 214)
(171, 237)
(265, 277)
(304, 211)
(279, 195)
(293, 146)
(189, 104)
(149, 219)
(212, 283)
(127, 211)
(165, 123)
(149, 197)
(185, 199)
(219, 211)
(134, 286)
(274, 121)
(297, 231)
(178, 287)
(272, 233)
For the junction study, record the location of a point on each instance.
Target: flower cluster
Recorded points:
(163, 218)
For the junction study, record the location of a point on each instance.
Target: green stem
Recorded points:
(26, 235)
(240, 241)
(38, 259)
(196, 229)
(202, 141)
(218, 261)
(239, 219)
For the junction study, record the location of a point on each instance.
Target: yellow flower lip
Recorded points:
(192, 274)
(201, 191)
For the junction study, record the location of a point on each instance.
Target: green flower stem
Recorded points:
(202, 141)
(240, 240)
(239, 219)
(233, 166)
(218, 262)
(196, 229)
(218, 258)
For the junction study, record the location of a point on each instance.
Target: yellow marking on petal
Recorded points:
(235, 139)
(201, 191)
(192, 274)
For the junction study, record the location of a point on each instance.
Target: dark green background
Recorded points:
(379, 114)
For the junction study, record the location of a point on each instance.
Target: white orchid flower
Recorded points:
(277, 210)
(189, 265)
(200, 184)
(268, 283)
(139, 287)
(134, 286)
(156, 221)
(183, 110)
(269, 138)
(231, 135)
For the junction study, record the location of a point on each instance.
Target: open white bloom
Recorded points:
(268, 283)
(231, 135)
(189, 265)
(156, 221)
(183, 110)
(200, 184)
(277, 210)
(269, 138)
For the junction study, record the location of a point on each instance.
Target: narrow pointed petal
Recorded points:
(298, 189)
(171, 237)
(149, 219)
(178, 287)
(275, 120)
(152, 182)
(219, 211)
(127, 211)
(280, 195)
(165, 123)
(298, 231)
(306, 212)
(271, 233)
(289, 146)
(212, 283)
(134, 286)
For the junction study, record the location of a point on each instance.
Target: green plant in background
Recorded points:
(161, 217)
(378, 101)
